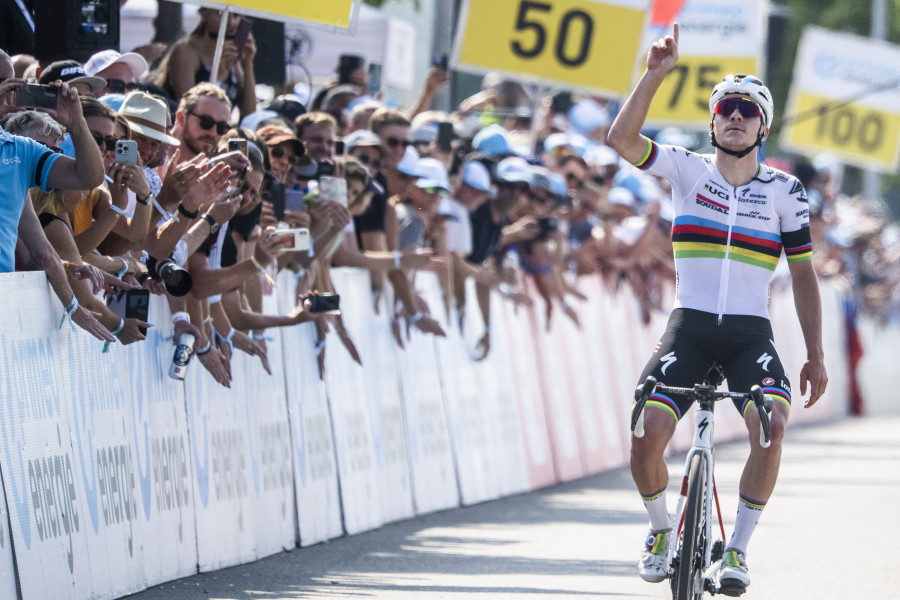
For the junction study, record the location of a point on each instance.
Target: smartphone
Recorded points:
(238, 144)
(445, 136)
(347, 64)
(293, 200)
(374, 79)
(273, 192)
(339, 148)
(297, 239)
(324, 169)
(547, 225)
(561, 103)
(243, 32)
(33, 95)
(333, 188)
(329, 304)
(440, 60)
(126, 151)
(133, 304)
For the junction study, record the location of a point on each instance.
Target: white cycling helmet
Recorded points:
(738, 83)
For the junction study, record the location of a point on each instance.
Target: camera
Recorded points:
(33, 95)
(177, 280)
(546, 225)
(295, 240)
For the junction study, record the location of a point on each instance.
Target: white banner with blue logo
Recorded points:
(7, 570)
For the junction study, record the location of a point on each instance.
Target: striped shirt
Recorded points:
(728, 240)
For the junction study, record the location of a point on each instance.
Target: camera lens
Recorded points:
(178, 281)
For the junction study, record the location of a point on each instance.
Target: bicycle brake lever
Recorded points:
(641, 395)
(764, 407)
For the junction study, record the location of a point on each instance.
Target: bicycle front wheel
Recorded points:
(688, 584)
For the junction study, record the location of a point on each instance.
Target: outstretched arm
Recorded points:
(625, 133)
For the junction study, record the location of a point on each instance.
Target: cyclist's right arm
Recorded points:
(625, 133)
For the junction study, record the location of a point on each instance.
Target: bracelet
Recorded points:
(487, 330)
(187, 213)
(70, 309)
(121, 272)
(180, 316)
(204, 349)
(258, 336)
(114, 332)
(397, 259)
(145, 200)
(262, 270)
(225, 338)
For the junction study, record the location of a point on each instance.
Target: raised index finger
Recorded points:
(675, 32)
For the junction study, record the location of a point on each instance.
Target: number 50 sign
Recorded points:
(576, 43)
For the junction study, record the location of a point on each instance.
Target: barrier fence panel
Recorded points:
(512, 321)
(318, 502)
(379, 392)
(430, 456)
(163, 470)
(358, 433)
(7, 569)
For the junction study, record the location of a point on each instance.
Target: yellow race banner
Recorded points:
(330, 13)
(844, 100)
(576, 43)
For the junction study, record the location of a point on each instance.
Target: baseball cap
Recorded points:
(70, 71)
(409, 164)
(587, 115)
(424, 134)
(362, 137)
(558, 142)
(476, 175)
(273, 135)
(621, 196)
(515, 169)
(337, 91)
(288, 106)
(106, 58)
(432, 174)
(493, 140)
(253, 120)
(147, 116)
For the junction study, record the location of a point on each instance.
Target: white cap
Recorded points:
(106, 58)
(514, 169)
(361, 137)
(253, 120)
(575, 142)
(621, 196)
(409, 164)
(587, 115)
(432, 173)
(493, 140)
(424, 134)
(476, 175)
(602, 155)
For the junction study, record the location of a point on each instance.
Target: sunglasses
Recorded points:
(117, 86)
(104, 142)
(747, 108)
(368, 161)
(277, 152)
(396, 142)
(435, 190)
(207, 123)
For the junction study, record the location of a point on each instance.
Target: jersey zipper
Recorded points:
(726, 266)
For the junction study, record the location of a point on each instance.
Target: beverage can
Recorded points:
(183, 352)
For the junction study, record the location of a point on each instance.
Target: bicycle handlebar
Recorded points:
(703, 392)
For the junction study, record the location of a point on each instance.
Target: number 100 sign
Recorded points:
(577, 43)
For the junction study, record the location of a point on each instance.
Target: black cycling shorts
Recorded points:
(743, 345)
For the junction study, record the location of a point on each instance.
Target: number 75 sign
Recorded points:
(575, 43)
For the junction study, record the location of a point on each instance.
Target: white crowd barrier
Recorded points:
(116, 478)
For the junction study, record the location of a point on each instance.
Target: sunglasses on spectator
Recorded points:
(277, 152)
(574, 177)
(396, 142)
(104, 142)
(519, 186)
(747, 108)
(366, 160)
(435, 190)
(207, 123)
(117, 86)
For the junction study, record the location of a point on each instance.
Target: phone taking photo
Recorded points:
(329, 304)
(133, 304)
(333, 188)
(238, 144)
(33, 95)
(243, 32)
(445, 136)
(126, 151)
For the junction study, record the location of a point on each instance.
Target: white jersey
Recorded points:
(728, 240)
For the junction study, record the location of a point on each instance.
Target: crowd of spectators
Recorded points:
(505, 188)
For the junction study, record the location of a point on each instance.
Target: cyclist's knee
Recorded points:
(659, 426)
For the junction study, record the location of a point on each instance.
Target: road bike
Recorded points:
(695, 559)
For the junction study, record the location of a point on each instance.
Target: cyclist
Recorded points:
(733, 218)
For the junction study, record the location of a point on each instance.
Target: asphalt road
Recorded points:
(829, 531)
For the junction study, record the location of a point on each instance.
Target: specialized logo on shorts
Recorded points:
(764, 360)
(668, 359)
(768, 381)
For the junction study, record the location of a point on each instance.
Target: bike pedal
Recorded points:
(732, 588)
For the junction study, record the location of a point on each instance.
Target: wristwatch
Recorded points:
(213, 226)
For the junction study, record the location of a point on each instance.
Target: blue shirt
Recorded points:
(24, 163)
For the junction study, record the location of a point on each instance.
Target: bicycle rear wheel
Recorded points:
(688, 582)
